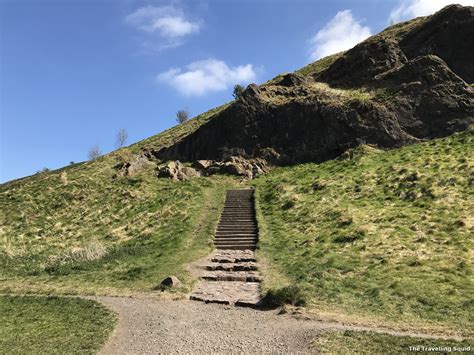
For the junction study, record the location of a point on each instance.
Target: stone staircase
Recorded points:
(237, 227)
(230, 274)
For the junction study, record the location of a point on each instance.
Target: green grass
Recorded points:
(96, 234)
(352, 342)
(83, 229)
(381, 234)
(52, 325)
(320, 65)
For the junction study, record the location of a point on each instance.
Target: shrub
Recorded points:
(182, 116)
(238, 90)
(286, 295)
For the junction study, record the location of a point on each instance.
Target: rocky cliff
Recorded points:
(409, 83)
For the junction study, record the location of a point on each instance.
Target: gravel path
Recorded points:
(149, 326)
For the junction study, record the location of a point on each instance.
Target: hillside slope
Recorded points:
(106, 226)
(378, 234)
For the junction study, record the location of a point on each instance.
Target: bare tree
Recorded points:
(182, 116)
(122, 137)
(94, 152)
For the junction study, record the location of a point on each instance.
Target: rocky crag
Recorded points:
(409, 83)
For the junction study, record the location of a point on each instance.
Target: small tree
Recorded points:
(94, 152)
(122, 137)
(182, 116)
(238, 90)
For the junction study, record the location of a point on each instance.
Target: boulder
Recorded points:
(169, 282)
(202, 164)
(175, 170)
(131, 167)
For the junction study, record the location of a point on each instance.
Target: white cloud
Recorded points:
(341, 33)
(167, 21)
(408, 9)
(206, 76)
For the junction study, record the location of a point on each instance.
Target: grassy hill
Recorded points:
(83, 229)
(373, 236)
(376, 234)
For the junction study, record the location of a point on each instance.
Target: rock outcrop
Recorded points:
(407, 84)
(232, 165)
(175, 170)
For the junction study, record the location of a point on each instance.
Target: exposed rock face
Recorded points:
(447, 34)
(404, 85)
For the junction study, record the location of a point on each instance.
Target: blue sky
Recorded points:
(74, 72)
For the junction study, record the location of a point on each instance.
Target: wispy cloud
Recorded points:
(341, 33)
(211, 75)
(408, 9)
(167, 25)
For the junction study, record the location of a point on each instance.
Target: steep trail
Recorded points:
(230, 275)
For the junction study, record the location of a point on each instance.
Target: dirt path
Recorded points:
(150, 326)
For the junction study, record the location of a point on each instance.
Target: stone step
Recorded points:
(236, 233)
(195, 296)
(242, 266)
(233, 214)
(240, 244)
(239, 218)
(227, 292)
(237, 247)
(220, 243)
(246, 225)
(250, 229)
(236, 239)
(237, 230)
(230, 204)
(229, 259)
(238, 210)
(245, 276)
(237, 222)
(239, 205)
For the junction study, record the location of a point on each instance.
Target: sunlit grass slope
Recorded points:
(352, 342)
(84, 229)
(40, 325)
(377, 233)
